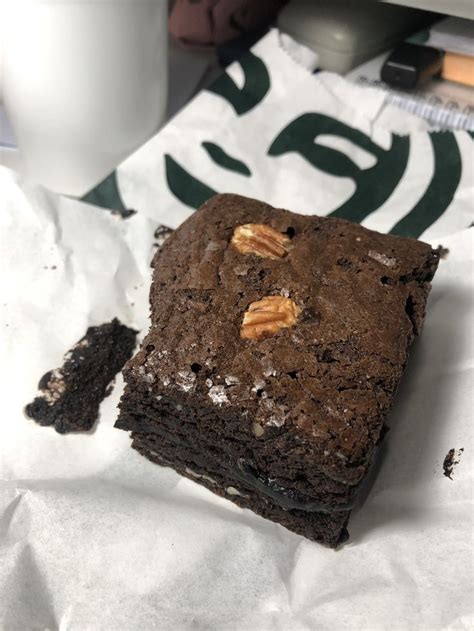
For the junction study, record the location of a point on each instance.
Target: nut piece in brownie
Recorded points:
(71, 395)
(276, 346)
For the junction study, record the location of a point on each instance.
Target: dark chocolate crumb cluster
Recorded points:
(70, 396)
(451, 459)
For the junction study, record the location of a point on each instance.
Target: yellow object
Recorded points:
(459, 68)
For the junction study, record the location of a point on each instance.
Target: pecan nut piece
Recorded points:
(262, 240)
(267, 316)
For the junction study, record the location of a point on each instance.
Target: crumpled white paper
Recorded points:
(158, 178)
(93, 536)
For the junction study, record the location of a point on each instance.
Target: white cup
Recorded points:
(84, 82)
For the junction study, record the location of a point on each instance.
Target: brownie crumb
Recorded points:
(161, 234)
(125, 213)
(443, 252)
(70, 396)
(450, 461)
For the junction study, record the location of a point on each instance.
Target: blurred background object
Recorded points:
(455, 35)
(345, 33)
(410, 65)
(205, 23)
(84, 83)
(462, 8)
(458, 68)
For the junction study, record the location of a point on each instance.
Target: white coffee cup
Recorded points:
(84, 82)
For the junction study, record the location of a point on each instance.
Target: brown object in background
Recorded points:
(206, 23)
(458, 68)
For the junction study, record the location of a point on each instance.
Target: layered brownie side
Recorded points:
(322, 526)
(276, 346)
(221, 435)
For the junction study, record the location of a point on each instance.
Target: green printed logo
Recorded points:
(374, 185)
(224, 160)
(184, 186)
(256, 85)
(107, 195)
(191, 191)
(440, 191)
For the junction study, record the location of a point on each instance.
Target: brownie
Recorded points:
(70, 396)
(276, 346)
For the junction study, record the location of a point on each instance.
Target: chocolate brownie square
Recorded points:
(276, 346)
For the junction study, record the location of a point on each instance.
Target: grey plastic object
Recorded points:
(345, 33)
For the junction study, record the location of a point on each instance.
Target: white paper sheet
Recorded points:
(274, 116)
(93, 536)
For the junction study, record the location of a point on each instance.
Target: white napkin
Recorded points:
(93, 536)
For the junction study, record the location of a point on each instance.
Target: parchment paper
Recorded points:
(93, 536)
